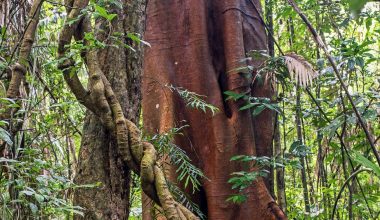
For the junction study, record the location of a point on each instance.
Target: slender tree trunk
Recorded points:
(298, 122)
(269, 20)
(99, 159)
(344, 159)
(308, 170)
(322, 171)
(280, 172)
(302, 158)
(198, 45)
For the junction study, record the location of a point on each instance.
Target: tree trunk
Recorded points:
(198, 45)
(302, 158)
(280, 171)
(99, 160)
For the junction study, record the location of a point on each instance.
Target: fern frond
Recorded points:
(299, 69)
(184, 199)
(187, 172)
(193, 99)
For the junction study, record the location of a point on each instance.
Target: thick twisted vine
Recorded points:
(141, 157)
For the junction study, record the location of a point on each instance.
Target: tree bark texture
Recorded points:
(99, 159)
(197, 45)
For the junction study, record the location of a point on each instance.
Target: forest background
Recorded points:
(324, 164)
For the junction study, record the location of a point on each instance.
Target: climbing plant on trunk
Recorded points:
(99, 159)
(102, 101)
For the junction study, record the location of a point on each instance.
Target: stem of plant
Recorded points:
(344, 185)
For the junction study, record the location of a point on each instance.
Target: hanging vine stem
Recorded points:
(344, 185)
(340, 137)
(321, 44)
(141, 157)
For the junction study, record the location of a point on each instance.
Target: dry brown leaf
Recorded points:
(300, 70)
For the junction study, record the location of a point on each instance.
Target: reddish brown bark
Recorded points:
(198, 44)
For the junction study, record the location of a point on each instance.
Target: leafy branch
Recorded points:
(257, 167)
(258, 104)
(193, 99)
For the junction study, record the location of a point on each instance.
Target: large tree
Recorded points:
(99, 159)
(199, 45)
(104, 99)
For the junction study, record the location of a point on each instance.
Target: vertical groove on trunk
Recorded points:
(197, 45)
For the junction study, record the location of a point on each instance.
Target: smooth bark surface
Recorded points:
(198, 45)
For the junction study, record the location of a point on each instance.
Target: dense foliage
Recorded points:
(323, 162)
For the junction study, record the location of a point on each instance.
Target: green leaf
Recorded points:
(248, 106)
(259, 54)
(3, 31)
(258, 110)
(233, 95)
(273, 107)
(365, 162)
(242, 69)
(137, 39)
(237, 199)
(33, 208)
(7, 100)
(40, 198)
(110, 17)
(360, 61)
(5, 136)
(75, 211)
(27, 192)
(103, 12)
(237, 157)
(193, 99)
(357, 5)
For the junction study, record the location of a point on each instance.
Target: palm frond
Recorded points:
(299, 69)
